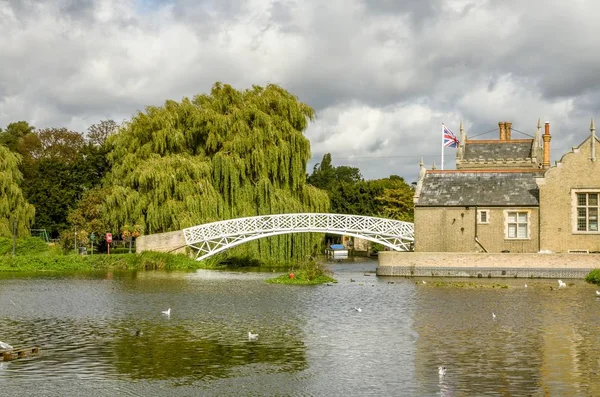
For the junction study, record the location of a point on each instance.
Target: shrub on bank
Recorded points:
(309, 273)
(593, 277)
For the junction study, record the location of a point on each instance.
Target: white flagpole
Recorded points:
(442, 146)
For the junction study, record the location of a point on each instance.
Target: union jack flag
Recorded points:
(450, 140)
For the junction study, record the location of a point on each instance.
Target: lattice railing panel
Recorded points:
(215, 237)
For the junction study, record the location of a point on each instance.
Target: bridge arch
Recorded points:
(211, 238)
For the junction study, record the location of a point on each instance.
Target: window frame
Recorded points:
(487, 217)
(575, 207)
(507, 224)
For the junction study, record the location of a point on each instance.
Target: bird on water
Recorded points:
(167, 312)
(5, 345)
(252, 336)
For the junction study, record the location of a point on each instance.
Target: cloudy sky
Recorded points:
(382, 75)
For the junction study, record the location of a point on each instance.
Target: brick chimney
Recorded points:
(547, 137)
(501, 126)
(507, 130)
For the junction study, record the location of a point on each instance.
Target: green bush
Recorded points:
(309, 272)
(593, 277)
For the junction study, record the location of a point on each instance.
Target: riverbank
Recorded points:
(497, 265)
(54, 262)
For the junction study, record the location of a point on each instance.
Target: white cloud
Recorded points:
(382, 75)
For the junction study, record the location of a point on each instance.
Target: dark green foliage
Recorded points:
(593, 277)
(326, 176)
(58, 168)
(349, 194)
(53, 188)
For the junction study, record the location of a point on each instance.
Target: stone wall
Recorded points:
(452, 229)
(450, 264)
(162, 242)
(575, 172)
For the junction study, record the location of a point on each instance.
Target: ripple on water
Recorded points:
(312, 341)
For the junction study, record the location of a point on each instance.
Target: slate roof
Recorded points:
(497, 151)
(471, 188)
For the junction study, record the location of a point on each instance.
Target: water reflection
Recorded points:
(540, 343)
(312, 342)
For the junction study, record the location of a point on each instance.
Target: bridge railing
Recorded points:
(318, 222)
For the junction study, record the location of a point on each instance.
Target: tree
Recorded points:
(99, 133)
(87, 214)
(323, 175)
(13, 206)
(12, 136)
(58, 167)
(326, 176)
(347, 174)
(397, 200)
(387, 197)
(56, 143)
(224, 155)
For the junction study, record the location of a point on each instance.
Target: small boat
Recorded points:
(337, 251)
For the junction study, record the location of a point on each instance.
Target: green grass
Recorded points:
(25, 246)
(33, 255)
(144, 261)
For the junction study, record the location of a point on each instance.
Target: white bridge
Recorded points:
(211, 238)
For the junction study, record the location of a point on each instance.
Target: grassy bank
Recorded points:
(34, 255)
(143, 261)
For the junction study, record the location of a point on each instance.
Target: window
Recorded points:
(587, 212)
(483, 216)
(517, 225)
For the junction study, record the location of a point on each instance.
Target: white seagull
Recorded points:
(358, 309)
(525, 285)
(167, 312)
(493, 315)
(5, 345)
(441, 371)
(561, 284)
(598, 293)
(252, 336)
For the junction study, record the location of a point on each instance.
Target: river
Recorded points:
(312, 340)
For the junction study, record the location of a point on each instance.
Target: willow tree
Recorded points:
(13, 206)
(220, 156)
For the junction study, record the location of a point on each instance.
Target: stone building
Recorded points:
(505, 197)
